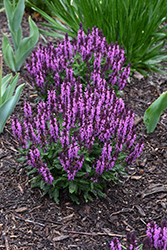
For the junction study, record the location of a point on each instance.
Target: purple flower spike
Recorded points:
(81, 117)
(115, 245)
(33, 157)
(27, 110)
(147, 243)
(131, 241)
(48, 64)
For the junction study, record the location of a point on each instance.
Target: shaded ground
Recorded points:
(30, 222)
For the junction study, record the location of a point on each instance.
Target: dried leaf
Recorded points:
(59, 238)
(136, 177)
(87, 209)
(67, 217)
(21, 190)
(21, 209)
(138, 76)
(154, 188)
(140, 210)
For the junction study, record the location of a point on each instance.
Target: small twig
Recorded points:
(143, 221)
(124, 210)
(128, 225)
(54, 222)
(29, 221)
(6, 243)
(94, 234)
(140, 100)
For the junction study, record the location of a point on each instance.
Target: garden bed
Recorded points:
(28, 221)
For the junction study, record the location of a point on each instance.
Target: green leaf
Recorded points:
(87, 197)
(2, 9)
(22, 159)
(8, 53)
(80, 174)
(73, 188)
(27, 44)
(42, 184)
(74, 198)
(16, 37)
(56, 195)
(7, 108)
(18, 15)
(5, 81)
(7, 94)
(9, 11)
(87, 167)
(59, 179)
(152, 114)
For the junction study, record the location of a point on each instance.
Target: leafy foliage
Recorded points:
(22, 47)
(8, 101)
(135, 24)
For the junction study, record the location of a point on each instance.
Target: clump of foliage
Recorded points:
(39, 4)
(135, 24)
(156, 239)
(88, 56)
(14, 57)
(8, 99)
(79, 139)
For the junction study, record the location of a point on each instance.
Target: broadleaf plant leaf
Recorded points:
(27, 44)
(18, 15)
(8, 53)
(7, 108)
(153, 113)
(5, 81)
(10, 89)
(22, 48)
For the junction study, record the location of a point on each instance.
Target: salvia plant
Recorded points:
(156, 238)
(137, 25)
(22, 47)
(78, 139)
(84, 56)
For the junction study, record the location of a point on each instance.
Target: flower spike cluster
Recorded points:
(88, 55)
(79, 120)
(156, 236)
(156, 239)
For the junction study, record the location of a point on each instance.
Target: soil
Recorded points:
(29, 221)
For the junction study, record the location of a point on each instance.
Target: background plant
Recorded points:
(78, 140)
(156, 238)
(40, 4)
(8, 101)
(88, 56)
(1, 7)
(153, 113)
(22, 47)
(135, 24)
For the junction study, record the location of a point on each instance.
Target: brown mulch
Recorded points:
(30, 222)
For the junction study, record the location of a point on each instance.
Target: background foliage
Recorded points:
(135, 24)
